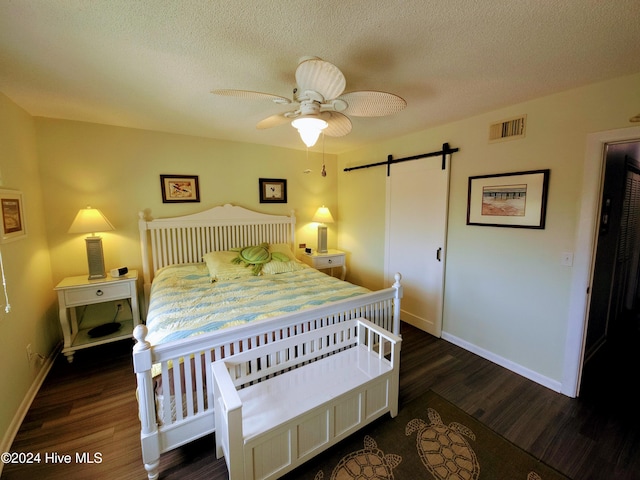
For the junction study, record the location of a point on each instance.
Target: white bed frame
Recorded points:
(187, 413)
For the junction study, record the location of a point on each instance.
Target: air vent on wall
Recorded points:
(508, 129)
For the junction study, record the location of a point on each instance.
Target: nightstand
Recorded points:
(331, 259)
(86, 304)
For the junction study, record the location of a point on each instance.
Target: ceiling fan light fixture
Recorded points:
(309, 129)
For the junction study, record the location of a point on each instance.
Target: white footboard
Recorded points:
(184, 412)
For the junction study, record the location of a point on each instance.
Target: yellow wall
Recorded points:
(33, 316)
(118, 171)
(505, 291)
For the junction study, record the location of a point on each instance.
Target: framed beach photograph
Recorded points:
(516, 199)
(179, 188)
(12, 209)
(273, 190)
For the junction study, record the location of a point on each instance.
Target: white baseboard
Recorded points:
(12, 431)
(503, 362)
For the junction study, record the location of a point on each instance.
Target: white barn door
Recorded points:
(417, 202)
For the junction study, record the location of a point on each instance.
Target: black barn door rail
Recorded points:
(446, 150)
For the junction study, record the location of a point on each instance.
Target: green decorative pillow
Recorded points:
(263, 258)
(255, 256)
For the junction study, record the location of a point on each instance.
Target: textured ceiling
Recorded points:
(151, 64)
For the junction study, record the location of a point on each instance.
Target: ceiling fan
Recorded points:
(319, 103)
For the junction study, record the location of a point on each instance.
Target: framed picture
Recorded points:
(508, 200)
(12, 208)
(273, 190)
(179, 188)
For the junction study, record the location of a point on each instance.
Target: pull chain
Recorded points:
(324, 171)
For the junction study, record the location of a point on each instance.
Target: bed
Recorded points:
(200, 307)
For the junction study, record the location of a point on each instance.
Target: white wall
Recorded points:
(506, 295)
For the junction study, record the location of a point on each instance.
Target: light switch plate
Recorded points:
(566, 259)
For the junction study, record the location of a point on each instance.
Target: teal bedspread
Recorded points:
(184, 301)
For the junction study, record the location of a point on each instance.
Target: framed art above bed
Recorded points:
(179, 188)
(273, 190)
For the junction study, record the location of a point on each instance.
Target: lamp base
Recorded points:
(322, 239)
(95, 258)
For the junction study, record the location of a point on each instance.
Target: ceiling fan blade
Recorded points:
(339, 124)
(369, 103)
(273, 121)
(248, 94)
(319, 76)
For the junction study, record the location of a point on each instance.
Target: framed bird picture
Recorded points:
(273, 190)
(179, 188)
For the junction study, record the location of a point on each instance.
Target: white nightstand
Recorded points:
(331, 259)
(85, 304)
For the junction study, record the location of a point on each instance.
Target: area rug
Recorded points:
(430, 438)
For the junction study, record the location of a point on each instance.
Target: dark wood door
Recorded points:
(614, 289)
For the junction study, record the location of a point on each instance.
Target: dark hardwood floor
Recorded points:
(89, 407)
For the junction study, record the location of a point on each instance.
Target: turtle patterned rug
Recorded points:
(430, 438)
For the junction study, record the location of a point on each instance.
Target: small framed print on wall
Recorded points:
(273, 190)
(508, 200)
(179, 188)
(12, 209)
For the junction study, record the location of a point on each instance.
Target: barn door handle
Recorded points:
(439, 254)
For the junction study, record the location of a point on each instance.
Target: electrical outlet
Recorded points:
(34, 356)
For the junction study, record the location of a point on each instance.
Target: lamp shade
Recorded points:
(323, 215)
(309, 127)
(90, 220)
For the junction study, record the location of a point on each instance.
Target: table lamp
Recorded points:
(322, 216)
(91, 220)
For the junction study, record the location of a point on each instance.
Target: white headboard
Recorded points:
(167, 241)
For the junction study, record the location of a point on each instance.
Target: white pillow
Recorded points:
(221, 268)
(275, 266)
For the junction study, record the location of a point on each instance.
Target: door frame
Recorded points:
(584, 258)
